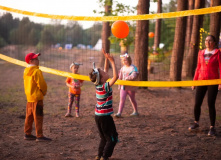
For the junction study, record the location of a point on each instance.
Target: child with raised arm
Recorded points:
(74, 90)
(104, 109)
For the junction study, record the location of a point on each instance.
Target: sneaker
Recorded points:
(134, 114)
(29, 137)
(42, 139)
(97, 158)
(212, 131)
(193, 126)
(68, 115)
(118, 115)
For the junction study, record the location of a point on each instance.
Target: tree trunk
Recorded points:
(188, 36)
(215, 20)
(178, 46)
(141, 40)
(158, 26)
(194, 42)
(105, 34)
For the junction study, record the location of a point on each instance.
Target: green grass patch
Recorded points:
(14, 109)
(218, 117)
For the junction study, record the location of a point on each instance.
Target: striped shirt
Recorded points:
(104, 100)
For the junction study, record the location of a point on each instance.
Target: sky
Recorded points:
(63, 7)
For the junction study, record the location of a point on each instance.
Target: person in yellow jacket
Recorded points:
(35, 90)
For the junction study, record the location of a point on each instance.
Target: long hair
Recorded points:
(214, 40)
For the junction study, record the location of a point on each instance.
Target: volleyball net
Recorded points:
(71, 43)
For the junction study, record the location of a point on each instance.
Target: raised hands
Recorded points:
(106, 67)
(108, 56)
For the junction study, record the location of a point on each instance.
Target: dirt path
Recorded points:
(160, 132)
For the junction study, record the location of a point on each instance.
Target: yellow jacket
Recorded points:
(35, 85)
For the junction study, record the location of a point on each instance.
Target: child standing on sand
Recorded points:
(128, 72)
(35, 90)
(74, 90)
(104, 109)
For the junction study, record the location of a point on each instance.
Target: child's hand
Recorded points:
(108, 56)
(105, 54)
(77, 86)
(73, 87)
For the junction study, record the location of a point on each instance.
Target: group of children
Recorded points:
(127, 72)
(36, 88)
(208, 67)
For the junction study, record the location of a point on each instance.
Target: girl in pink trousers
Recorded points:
(128, 72)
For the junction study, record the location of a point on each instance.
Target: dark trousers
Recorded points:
(211, 100)
(108, 135)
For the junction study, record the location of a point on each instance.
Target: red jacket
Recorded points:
(212, 70)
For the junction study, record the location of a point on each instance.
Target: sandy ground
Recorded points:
(160, 132)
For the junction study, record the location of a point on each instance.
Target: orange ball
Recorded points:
(151, 34)
(120, 29)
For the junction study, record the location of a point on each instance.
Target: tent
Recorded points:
(98, 45)
(68, 46)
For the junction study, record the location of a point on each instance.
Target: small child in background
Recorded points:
(74, 90)
(128, 72)
(104, 108)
